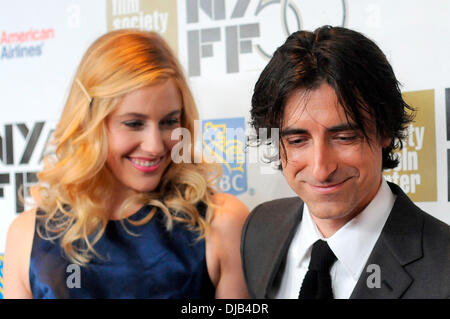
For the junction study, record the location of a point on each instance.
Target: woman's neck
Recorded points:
(119, 197)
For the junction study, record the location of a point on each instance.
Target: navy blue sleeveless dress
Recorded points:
(155, 264)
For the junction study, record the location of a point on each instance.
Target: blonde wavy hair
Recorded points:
(73, 188)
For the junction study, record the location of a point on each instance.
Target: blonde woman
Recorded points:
(115, 217)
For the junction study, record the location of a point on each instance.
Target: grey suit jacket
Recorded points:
(413, 251)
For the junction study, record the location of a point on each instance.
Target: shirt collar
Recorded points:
(352, 243)
(308, 234)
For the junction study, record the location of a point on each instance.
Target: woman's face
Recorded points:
(139, 135)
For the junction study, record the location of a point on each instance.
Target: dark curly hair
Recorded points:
(353, 65)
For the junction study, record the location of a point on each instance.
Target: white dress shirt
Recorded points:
(352, 245)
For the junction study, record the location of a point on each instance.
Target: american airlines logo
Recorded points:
(23, 44)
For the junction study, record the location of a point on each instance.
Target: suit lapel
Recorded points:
(280, 242)
(400, 243)
(394, 279)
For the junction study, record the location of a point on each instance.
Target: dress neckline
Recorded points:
(139, 214)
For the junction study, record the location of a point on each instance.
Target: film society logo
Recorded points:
(225, 35)
(22, 147)
(23, 44)
(416, 172)
(156, 15)
(224, 140)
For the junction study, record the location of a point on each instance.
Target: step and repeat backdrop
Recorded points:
(223, 46)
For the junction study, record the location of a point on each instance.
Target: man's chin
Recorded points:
(328, 211)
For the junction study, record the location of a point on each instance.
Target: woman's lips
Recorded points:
(146, 165)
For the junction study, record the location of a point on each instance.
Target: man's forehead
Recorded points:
(311, 104)
(301, 97)
(322, 102)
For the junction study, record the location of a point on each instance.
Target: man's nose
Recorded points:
(323, 161)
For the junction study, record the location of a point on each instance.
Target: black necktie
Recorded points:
(317, 282)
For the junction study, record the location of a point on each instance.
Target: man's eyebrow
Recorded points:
(342, 127)
(293, 131)
(333, 129)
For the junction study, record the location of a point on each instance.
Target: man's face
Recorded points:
(330, 165)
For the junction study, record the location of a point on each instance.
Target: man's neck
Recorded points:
(328, 226)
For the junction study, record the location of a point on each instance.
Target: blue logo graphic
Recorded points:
(1, 276)
(224, 141)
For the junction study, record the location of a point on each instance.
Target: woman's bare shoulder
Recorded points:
(22, 226)
(224, 245)
(229, 210)
(17, 255)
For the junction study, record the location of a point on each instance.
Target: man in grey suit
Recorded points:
(349, 233)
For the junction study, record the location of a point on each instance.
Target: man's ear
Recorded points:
(386, 141)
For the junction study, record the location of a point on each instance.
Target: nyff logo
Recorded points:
(224, 140)
(246, 27)
(21, 151)
(238, 36)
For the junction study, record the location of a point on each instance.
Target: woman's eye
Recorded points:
(133, 124)
(170, 122)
